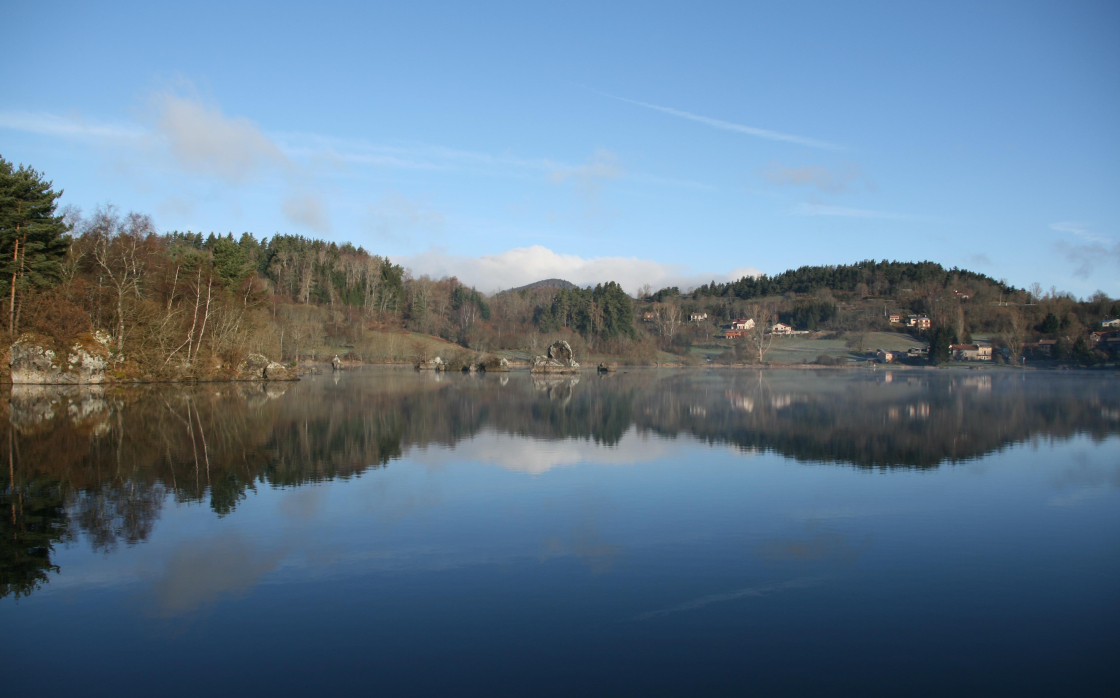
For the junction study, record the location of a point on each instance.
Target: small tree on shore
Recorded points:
(759, 336)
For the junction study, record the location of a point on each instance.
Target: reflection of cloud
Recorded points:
(304, 502)
(200, 571)
(731, 596)
(821, 545)
(585, 543)
(536, 456)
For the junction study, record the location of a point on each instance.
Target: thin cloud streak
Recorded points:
(1081, 230)
(730, 126)
(241, 157)
(45, 124)
(844, 212)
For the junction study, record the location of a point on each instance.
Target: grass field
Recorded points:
(800, 349)
(406, 346)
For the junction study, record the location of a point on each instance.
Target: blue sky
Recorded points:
(649, 143)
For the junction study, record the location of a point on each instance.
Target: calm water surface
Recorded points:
(645, 533)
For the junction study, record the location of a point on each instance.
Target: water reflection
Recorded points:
(102, 462)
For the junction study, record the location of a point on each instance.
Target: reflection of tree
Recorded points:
(34, 520)
(115, 456)
(116, 513)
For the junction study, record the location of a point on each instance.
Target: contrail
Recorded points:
(728, 125)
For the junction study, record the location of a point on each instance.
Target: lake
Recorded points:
(683, 532)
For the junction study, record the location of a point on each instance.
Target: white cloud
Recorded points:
(393, 216)
(1081, 230)
(830, 181)
(524, 265)
(730, 126)
(1086, 258)
(206, 142)
(603, 164)
(306, 210)
(1100, 250)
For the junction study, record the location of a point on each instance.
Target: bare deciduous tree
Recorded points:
(117, 249)
(759, 336)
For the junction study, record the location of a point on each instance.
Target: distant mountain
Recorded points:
(547, 283)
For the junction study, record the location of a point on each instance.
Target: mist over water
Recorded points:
(649, 532)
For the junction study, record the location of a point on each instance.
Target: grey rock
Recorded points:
(277, 372)
(560, 359)
(33, 360)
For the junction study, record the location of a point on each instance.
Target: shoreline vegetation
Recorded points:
(107, 297)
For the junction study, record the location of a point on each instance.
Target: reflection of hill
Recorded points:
(110, 457)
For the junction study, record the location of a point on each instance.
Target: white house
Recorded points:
(971, 352)
(887, 357)
(742, 324)
(1110, 322)
(781, 328)
(697, 317)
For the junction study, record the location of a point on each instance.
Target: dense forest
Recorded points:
(187, 304)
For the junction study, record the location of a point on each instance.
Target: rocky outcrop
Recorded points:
(258, 367)
(560, 359)
(277, 372)
(496, 364)
(35, 359)
(435, 364)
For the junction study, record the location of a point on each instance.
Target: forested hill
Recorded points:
(545, 284)
(863, 278)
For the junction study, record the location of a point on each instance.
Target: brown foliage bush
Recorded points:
(53, 314)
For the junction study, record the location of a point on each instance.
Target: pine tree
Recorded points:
(33, 239)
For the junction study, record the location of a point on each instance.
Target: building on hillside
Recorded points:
(733, 334)
(896, 318)
(697, 317)
(888, 357)
(961, 295)
(919, 321)
(742, 324)
(649, 316)
(970, 352)
(781, 328)
(1042, 347)
(1110, 322)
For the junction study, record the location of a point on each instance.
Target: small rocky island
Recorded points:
(560, 359)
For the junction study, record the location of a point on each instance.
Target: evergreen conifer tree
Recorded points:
(33, 238)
